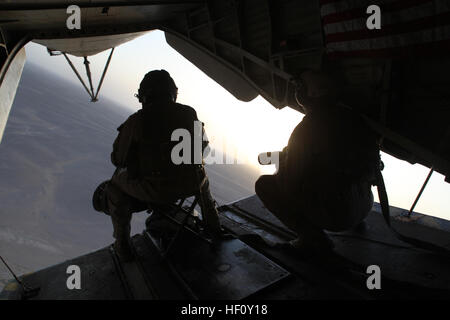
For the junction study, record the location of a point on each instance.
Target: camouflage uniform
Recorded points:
(146, 173)
(325, 174)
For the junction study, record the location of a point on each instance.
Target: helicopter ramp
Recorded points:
(252, 265)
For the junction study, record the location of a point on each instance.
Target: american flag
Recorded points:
(408, 27)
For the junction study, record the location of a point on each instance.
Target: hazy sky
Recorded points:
(245, 128)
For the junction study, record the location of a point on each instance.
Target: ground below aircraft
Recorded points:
(396, 77)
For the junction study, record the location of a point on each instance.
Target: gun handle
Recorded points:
(267, 158)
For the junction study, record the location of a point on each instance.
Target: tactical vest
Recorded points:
(339, 148)
(152, 150)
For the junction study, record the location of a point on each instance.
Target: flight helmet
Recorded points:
(315, 89)
(157, 84)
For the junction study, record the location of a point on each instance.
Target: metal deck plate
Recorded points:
(231, 270)
(254, 207)
(99, 279)
(376, 245)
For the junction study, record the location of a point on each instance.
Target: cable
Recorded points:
(11, 271)
(28, 292)
(420, 192)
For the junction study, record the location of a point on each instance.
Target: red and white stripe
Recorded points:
(408, 27)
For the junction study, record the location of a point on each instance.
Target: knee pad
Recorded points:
(99, 198)
(108, 198)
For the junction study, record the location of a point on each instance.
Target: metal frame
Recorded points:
(11, 53)
(91, 4)
(94, 97)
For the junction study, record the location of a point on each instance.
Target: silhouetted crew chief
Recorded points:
(326, 171)
(142, 152)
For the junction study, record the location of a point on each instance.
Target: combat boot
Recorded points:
(210, 216)
(317, 243)
(122, 245)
